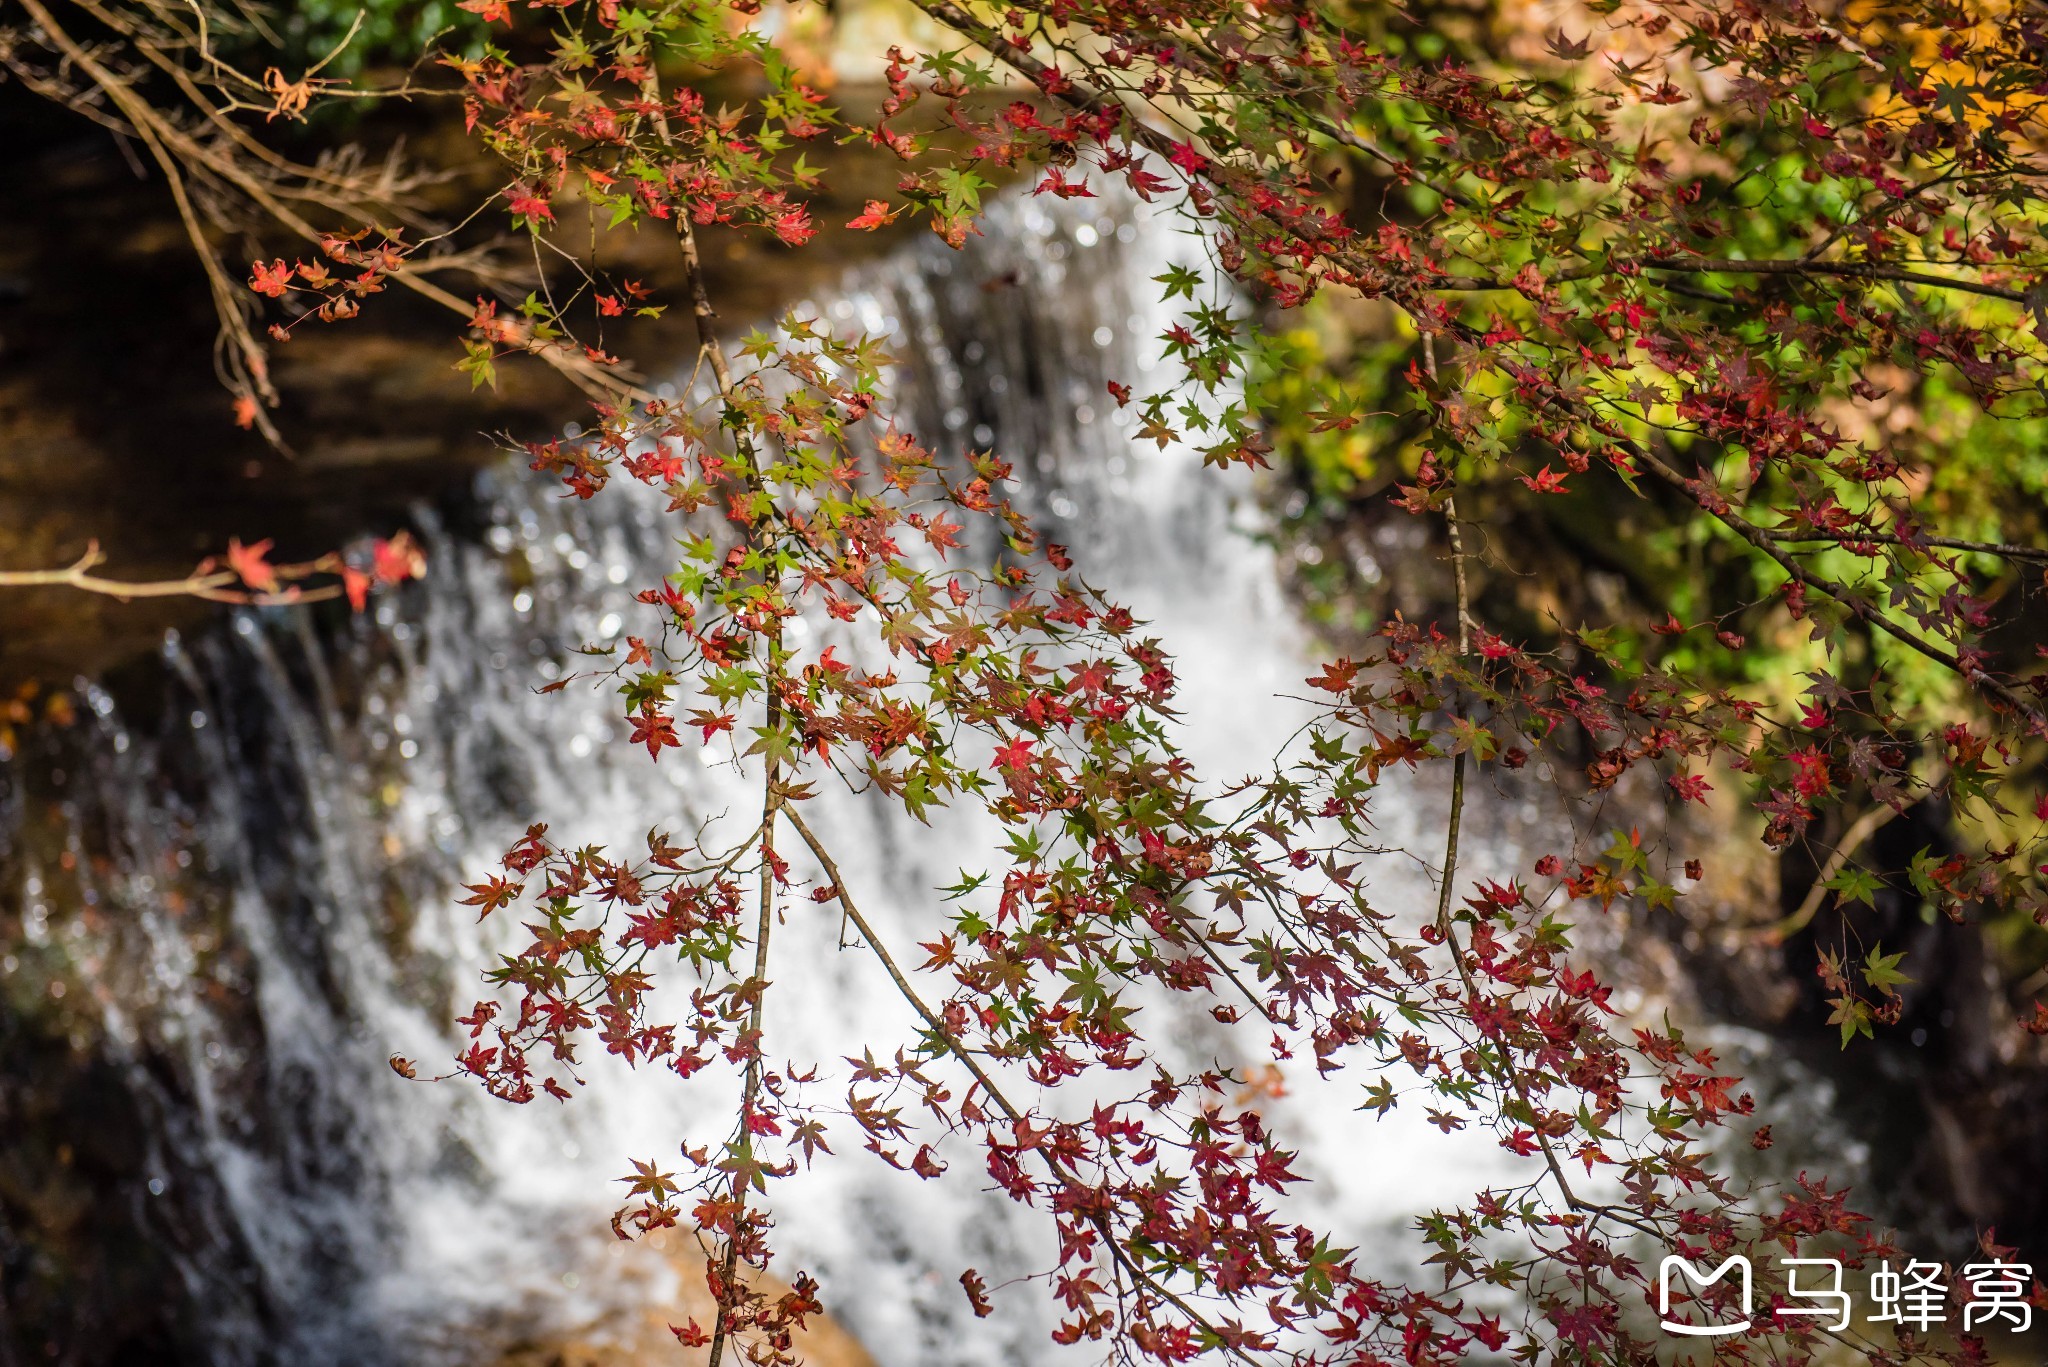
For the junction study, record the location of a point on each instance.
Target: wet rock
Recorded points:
(645, 1288)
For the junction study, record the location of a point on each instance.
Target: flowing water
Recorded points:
(253, 886)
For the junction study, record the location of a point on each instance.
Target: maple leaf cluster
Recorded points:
(1589, 314)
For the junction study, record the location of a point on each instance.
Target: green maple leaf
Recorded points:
(1853, 1016)
(1852, 884)
(1881, 971)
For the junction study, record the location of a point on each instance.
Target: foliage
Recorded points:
(394, 32)
(1599, 314)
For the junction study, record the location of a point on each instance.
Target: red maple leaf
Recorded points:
(271, 279)
(1336, 676)
(1691, 787)
(1145, 183)
(526, 202)
(1016, 755)
(1056, 182)
(396, 560)
(943, 535)
(794, 227)
(250, 566)
(654, 730)
(872, 217)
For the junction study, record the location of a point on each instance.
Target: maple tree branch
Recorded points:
(750, 1091)
(773, 796)
(1082, 97)
(1852, 270)
(170, 145)
(1086, 99)
(1446, 928)
(1888, 200)
(701, 311)
(1450, 868)
(1856, 605)
(252, 370)
(944, 1036)
(896, 975)
(1450, 864)
(1056, 84)
(2001, 549)
(1865, 826)
(78, 575)
(1447, 877)
(210, 584)
(705, 316)
(1549, 394)
(1334, 128)
(772, 804)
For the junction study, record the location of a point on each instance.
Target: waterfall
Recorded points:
(251, 876)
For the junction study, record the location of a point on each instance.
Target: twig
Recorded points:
(959, 1051)
(1949, 543)
(764, 922)
(251, 366)
(1860, 830)
(1851, 270)
(170, 145)
(1707, 265)
(1857, 606)
(212, 585)
(772, 806)
(1447, 877)
(1450, 868)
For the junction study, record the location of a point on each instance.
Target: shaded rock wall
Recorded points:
(113, 426)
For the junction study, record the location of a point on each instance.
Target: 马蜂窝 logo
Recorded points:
(1673, 1263)
(2001, 1293)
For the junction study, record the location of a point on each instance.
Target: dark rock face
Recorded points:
(114, 427)
(82, 1278)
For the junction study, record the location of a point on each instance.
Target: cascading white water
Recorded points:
(269, 873)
